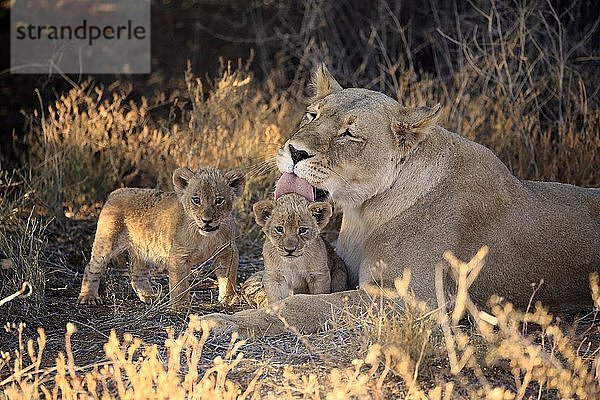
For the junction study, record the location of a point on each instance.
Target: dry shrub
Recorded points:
(520, 78)
(132, 369)
(544, 362)
(402, 333)
(24, 252)
(92, 140)
(521, 87)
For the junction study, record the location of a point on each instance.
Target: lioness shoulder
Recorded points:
(297, 259)
(172, 229)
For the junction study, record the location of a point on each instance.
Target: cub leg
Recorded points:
(276, 287)
(319, 284)
(106, 246)
(179, 284)
(140, 278)
(226, 266)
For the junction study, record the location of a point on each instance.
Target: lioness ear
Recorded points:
(262, 211)
(324, 83)
(412, 125)
(236, 180)
(181, 179)
(322, 212)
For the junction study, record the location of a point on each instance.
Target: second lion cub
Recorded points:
(297, 259)
(172, 229)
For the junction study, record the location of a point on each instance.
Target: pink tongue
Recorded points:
(292, 183)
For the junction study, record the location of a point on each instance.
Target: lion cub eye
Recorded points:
(196, 200)
(279, 229)
(302, 230)
(310, 115)
(219, 201)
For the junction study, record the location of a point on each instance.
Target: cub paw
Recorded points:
(89, 299)
(229, 299)
(144, 292)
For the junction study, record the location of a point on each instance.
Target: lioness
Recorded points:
(175, 229)
(297, 259)
(409, 190)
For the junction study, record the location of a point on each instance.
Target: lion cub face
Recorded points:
(291, 223)
(207, 195)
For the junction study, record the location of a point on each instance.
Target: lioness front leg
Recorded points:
(179, 284)
(302, 313)
(226, 266)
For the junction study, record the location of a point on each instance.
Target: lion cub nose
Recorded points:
(290, 250)
(207, 220)
(298, 155)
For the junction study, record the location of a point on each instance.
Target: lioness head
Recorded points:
(207, 195)
(291, 222)
(351, 142)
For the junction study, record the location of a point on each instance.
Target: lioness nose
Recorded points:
(298, 155)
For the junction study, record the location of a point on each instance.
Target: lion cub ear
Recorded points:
(262, 211)
(321, 211)
(236, 181)
(181, 179)
(324, 83)
(412, 125)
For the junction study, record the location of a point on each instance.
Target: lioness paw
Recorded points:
(247, 323)
(224, 325)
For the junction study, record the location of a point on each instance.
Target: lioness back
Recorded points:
(172, 229)
(297, 259)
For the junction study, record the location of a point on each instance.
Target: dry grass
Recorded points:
(518, 79)
(91, 141)
(545, 363)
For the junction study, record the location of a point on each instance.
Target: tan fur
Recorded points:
(409, 190)
(297, 262)
(170, 230)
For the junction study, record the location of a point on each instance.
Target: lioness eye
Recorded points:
(303, 230)
(196, 200)
(219, 200)
(279, 229)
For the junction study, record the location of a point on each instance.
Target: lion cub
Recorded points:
(297, 259)
(171, 229)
